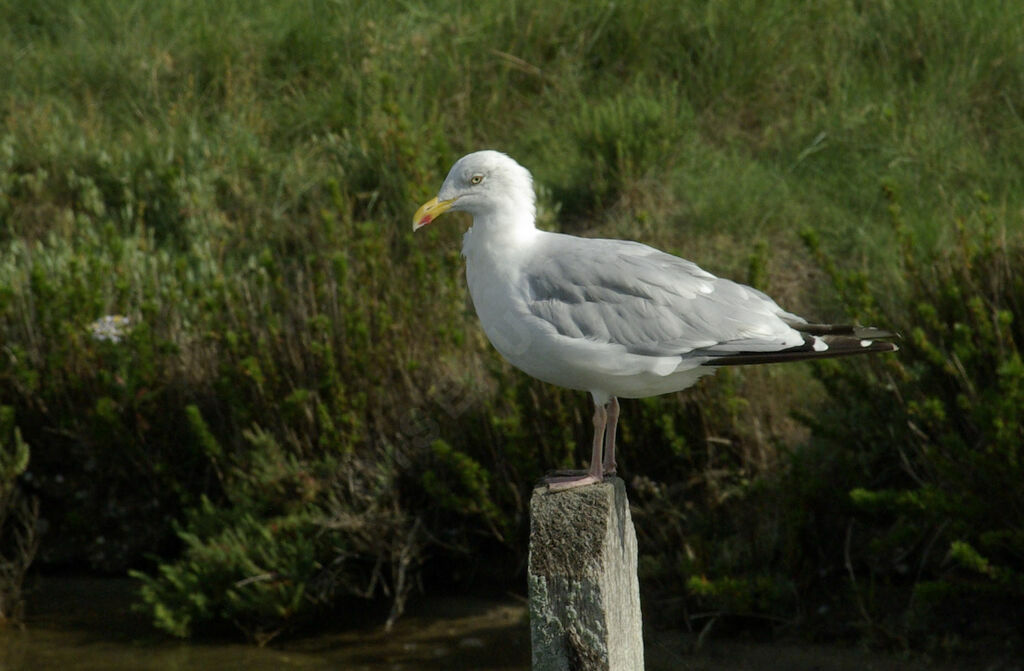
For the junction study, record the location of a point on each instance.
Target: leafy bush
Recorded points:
(18, 517)
(291, 537)
(902, 511)
(936, 524)
(717, 534)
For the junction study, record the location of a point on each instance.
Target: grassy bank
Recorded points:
(301, 405)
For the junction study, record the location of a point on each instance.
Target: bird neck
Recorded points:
(499, 233)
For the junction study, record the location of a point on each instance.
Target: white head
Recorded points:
(490, 186)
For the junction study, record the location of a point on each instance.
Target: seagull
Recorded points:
(615, 318)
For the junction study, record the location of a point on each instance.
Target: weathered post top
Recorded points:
(584, 593)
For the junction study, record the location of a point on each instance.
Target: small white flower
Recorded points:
(112, 328)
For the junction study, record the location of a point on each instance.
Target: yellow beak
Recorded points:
(430, 210)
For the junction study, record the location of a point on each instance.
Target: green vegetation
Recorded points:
(18, 516)
(936, 494)
(294, 403)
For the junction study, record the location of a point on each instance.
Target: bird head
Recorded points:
(484, 184)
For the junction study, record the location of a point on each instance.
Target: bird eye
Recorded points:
(476, 179)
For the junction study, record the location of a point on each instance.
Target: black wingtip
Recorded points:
(852, 330)
(835, 346)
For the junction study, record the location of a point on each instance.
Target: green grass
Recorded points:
(238, 180)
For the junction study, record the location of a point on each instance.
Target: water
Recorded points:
(86, 624)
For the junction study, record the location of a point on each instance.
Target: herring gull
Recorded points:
(611, 317)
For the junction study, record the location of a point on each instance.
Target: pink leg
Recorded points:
(595, 474)
(609, 441)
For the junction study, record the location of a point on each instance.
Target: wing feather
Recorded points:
(649, 302)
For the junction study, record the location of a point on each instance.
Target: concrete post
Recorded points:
(584, 594)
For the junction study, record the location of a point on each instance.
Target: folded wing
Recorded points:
(654, 304)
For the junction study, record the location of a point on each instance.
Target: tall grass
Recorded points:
(237, 180)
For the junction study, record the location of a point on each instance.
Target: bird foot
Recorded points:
(561, 483)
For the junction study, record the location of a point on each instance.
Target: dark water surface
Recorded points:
(80, 624)
(85, 624)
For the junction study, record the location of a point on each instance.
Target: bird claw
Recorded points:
(561, 483)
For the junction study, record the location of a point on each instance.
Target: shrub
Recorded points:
(903, 510)
(936, 523)
(18, 517)
(291, 537)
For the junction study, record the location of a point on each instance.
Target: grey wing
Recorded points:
(649, 302)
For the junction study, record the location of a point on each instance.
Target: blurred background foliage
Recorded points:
(294, 405)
